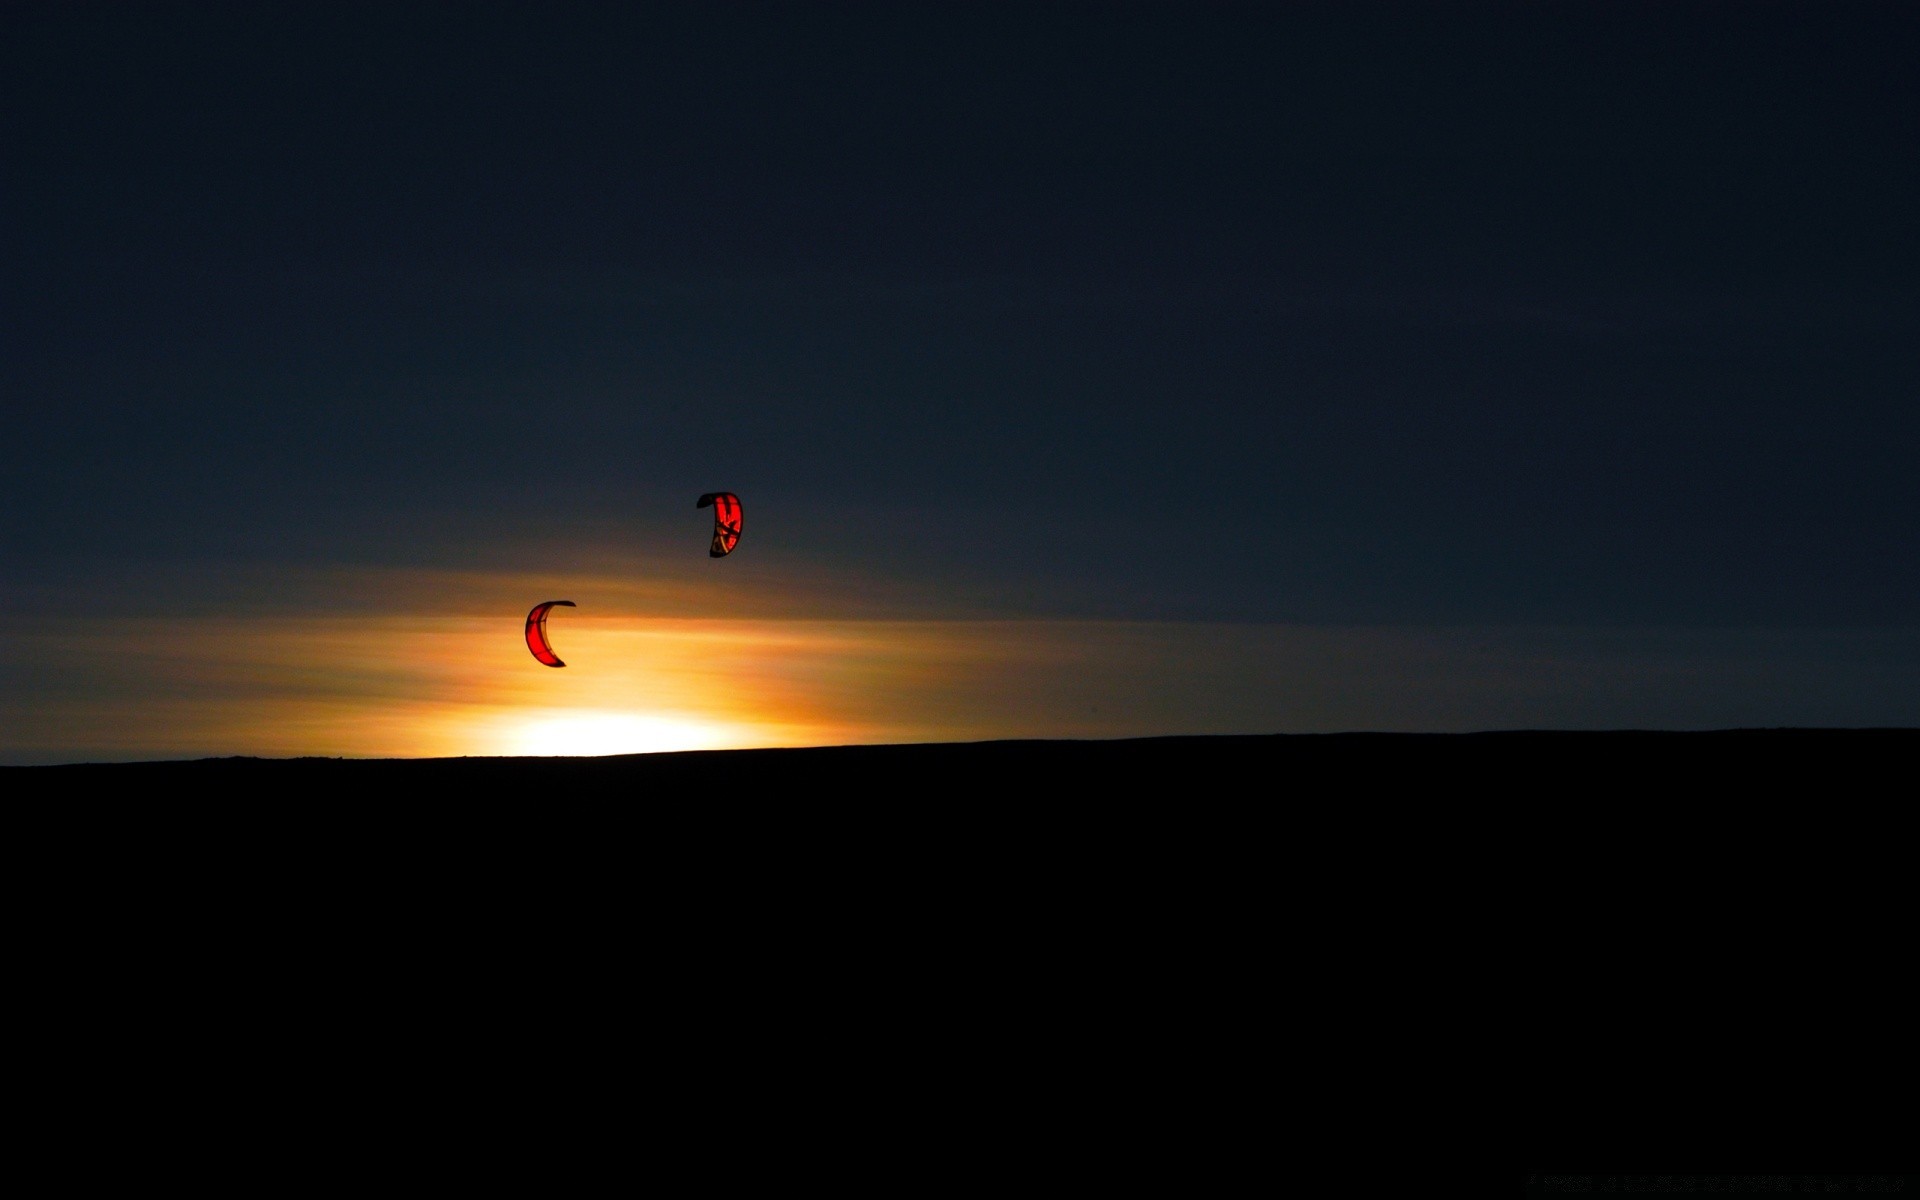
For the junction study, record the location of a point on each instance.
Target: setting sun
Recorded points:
(590, 732)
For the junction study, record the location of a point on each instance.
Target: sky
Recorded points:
(1084, 369)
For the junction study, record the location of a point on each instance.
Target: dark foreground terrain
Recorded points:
(702, 833)
(1520, 765)
(1143, 953)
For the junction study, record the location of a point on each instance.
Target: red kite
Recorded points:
(726, 522)
(537, 632)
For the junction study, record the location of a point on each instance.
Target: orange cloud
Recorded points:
(426, 664)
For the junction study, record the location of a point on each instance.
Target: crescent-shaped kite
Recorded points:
(726, 522)
(537, 632)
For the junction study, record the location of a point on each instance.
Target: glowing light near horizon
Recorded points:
(592, 734)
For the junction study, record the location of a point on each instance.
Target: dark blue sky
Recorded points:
(1584, 314)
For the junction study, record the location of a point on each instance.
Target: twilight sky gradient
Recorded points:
(1085, 369)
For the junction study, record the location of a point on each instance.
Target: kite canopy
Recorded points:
(537, 632)
(726, 522)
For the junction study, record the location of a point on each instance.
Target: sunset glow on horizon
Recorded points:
(421, 685)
